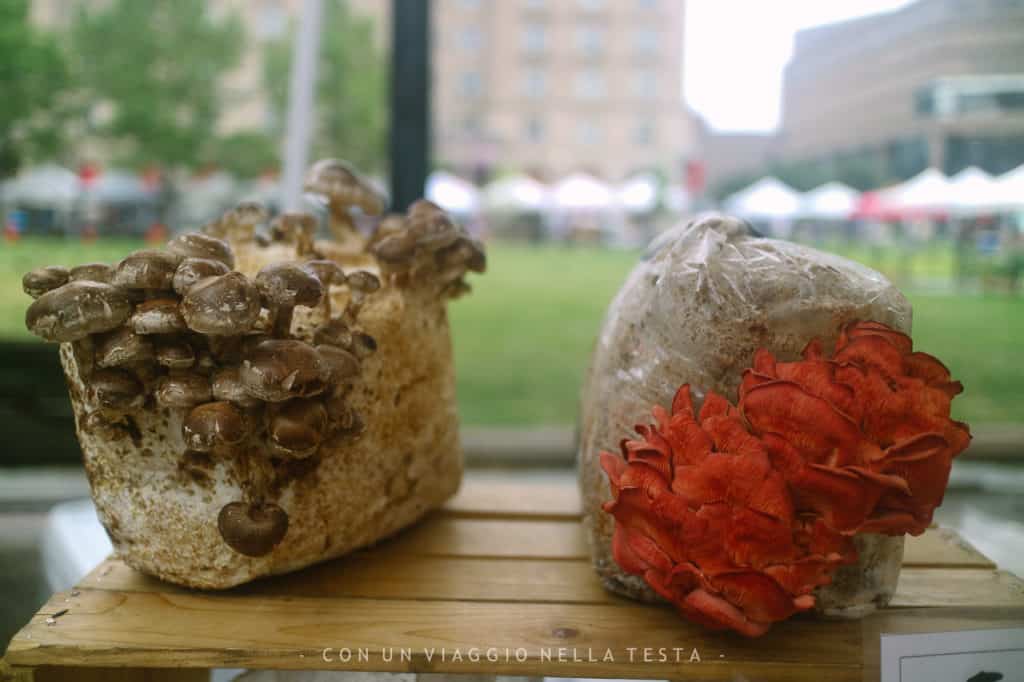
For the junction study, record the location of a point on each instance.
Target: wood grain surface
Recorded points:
(501, 575)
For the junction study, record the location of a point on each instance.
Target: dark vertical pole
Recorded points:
(409, 137)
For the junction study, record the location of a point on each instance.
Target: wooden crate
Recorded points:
(502, 570)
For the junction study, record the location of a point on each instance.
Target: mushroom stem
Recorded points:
(282, 316)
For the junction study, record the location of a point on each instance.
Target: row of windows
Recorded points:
(587, 132)
(590, 40)
(588, 84)
(586, 5)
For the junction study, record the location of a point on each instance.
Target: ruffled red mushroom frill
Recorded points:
(863, 438)
(708, 522)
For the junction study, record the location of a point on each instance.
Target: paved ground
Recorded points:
(985, 503)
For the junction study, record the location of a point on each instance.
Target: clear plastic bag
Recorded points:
(706, 295)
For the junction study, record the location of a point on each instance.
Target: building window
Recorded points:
(590, 40)
(534, 83)
(470, 39)
(590, 5)
(470, 4)
(590, 84)
(470, 84)
(534, 38)
(588, 133)
(534, 129)
(645, 40)
(643, 133)
(645, 84)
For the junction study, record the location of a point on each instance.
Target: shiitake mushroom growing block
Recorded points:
(250, 400)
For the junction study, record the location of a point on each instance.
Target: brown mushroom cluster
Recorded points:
(178, 328)
(181, 329)
(426, 245)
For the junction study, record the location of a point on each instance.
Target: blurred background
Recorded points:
(566, 134)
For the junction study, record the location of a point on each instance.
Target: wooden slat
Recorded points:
(517, 580)
(105, 628)
(517, 497)
(941, 548)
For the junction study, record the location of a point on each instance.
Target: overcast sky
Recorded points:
(736, 50)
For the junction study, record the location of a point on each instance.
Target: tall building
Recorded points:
(937, 82)
(556, 86)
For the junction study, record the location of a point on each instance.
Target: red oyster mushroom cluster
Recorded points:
(736, 515)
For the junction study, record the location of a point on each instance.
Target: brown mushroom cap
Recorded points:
(175, 354)
(39, 281)
(334, 332)
(298, 228)
(342, 364)
(147, 269)
(199, 245)
(224, 305)
(227, 385)
(252, 529)
(183, 389)
(158, 316)
(342, 186)
(192, 270)
(433, 228)
(116, 388)
(363, 345)
(286, 284)
(297, 427)
(327, 271)
(277, 369)
(363, 281)
(212, 425)
(122, 347)
(92, 272)
(77, 309)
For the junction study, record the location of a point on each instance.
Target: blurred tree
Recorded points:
(351, 115)
(33, 78)
(246, 154)
(154, 71)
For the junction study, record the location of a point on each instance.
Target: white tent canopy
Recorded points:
(639, 194)
(1008, 192)
(768, 199)
(452, 193)
(928, 189)
(972, 189)
(48, 184)
(580, 191)
(516, 193)
(833, 201)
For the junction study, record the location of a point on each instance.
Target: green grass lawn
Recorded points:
(523, 337)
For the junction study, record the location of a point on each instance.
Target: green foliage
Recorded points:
(351, 88)
(33, 75)
(159, 65)
(246, 154)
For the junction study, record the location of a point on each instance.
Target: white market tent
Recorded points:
(767, 199)
(516, 193)
(452, 193)
(639, 194)
(972, 189)
(46, 185)
(830, 201)
(929, 189)
(580, 191)
(1008, 193)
